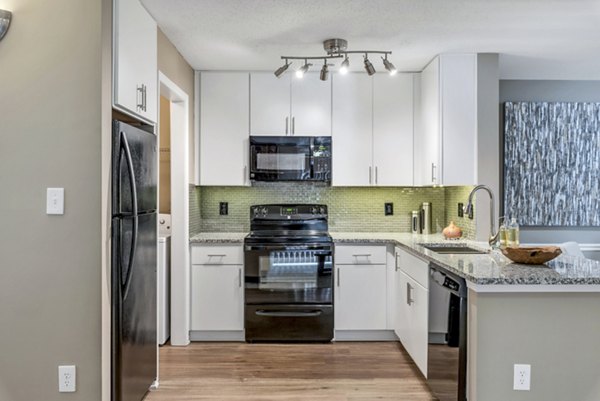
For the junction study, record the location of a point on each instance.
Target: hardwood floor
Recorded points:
(297, 372)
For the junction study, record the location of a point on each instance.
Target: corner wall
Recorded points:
(51, 136)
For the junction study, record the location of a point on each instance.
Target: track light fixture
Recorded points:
(345, 65)
(389, 66)
(368, 66)
(324, 72)
(336, 48)
(302, 70)
(282, 69)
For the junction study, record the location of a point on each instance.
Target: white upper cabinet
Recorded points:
(224, 128)
(135, 77)
(270, 104)
(393, 129)
(372, 130)
(352, 130)
(290, 105)
(445, 146)
(311, 106)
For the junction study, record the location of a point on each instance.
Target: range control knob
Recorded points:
(314, 210)
(322, 210)
(264, 211)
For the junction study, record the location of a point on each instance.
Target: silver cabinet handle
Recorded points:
(240, 277)
(370, 175)
(397, 261)
(139, 97)
(409, 299)
(366, 255)
(145, 98)
(287, 125)
(217, 256)
(433, 167)
(338, 277)
(293, 125)
(244, 174)
(376, 178)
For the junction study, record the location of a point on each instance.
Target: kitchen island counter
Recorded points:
(492, 271)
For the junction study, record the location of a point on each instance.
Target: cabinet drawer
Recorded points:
(360, 255)
(416, 268)
(218, 255)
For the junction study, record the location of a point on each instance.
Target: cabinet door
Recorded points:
(217, 297)
(393, 129)
(270, 104)
(428, 138)
(417, 299)
(311, 106)
(360, 297)
(135, 60)
(224, 126)
(458, 76)
(352, 130)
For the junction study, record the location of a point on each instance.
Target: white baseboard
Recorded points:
(200, 335)
(365, 335)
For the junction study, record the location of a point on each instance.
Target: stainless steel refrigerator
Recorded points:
(134, 262)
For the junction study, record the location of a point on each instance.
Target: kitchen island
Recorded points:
(519, 314)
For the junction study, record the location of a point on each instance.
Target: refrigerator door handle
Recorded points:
(134, 235)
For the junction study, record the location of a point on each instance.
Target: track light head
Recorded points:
(282, 69)
(345, 65)
(302, 70)
(369, 67)
(389, 66)
(324, 72)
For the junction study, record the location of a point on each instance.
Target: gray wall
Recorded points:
(554, 91)
(50, 136)
(557, 334)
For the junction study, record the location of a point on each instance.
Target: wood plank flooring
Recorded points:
(296, 372)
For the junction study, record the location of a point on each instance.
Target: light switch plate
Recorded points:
(55, 201)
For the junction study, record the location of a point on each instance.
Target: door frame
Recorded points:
(180, 253)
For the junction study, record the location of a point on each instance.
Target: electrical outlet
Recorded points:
(223, 208)
(522, 377)
(55, 201)
(461, 210)
(389, 209)
(66, 379)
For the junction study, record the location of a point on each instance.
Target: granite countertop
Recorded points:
(218, 238)
(486, 269)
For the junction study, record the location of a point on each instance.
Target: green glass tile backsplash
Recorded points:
(351, 209)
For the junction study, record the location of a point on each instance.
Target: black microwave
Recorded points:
(290, 158)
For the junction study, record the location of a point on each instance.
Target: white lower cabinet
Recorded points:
(217, 297)
(217, 291)
(360, 301)
(360, 297)
(412, 308)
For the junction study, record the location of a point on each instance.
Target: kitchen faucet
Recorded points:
(469, 208)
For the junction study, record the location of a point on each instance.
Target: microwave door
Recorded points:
(285, 163)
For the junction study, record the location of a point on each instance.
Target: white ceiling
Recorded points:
(537, 39)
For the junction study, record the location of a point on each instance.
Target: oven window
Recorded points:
(292, 269)
(281, 161)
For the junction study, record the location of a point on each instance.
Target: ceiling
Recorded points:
(537, 39)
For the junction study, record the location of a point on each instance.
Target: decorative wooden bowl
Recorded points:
(532, 256)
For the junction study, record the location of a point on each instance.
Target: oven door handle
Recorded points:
(326, 249)
(281, 313)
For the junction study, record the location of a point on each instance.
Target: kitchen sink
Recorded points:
(455, 248)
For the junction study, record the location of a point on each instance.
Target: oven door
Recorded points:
(288, 274)
(280, 159)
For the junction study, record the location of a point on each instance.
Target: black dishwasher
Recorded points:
(447, 348)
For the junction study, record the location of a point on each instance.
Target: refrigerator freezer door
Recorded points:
(133, 168)
(135, 315)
